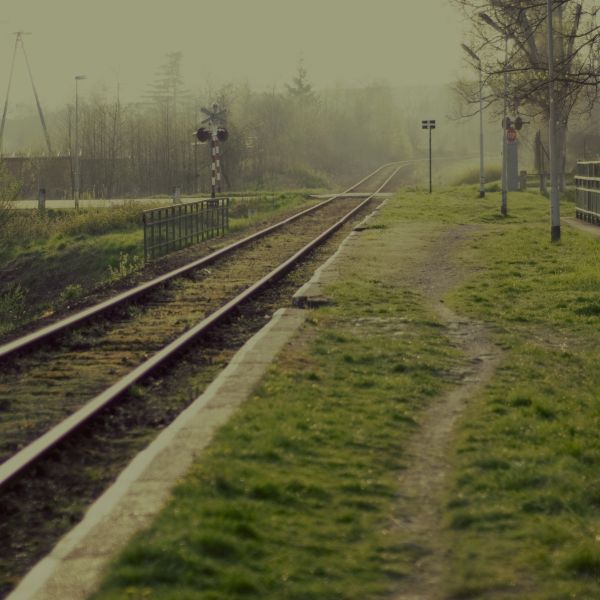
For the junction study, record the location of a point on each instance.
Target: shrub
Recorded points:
(492, 173)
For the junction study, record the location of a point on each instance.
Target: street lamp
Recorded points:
(487, 19)
(481, 171)
(77, 79)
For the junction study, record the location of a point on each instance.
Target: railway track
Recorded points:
(60, 385)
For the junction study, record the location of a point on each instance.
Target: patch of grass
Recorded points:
(248, 211)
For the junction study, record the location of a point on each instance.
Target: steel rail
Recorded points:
(28, 455)
(13, 347)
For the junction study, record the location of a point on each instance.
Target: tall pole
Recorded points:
(37, 100)
(12, 67)
(552, 142)
(430, 160)
(481, 170)
(77, 180)
(503, 204)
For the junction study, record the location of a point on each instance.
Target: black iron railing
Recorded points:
(175, 227)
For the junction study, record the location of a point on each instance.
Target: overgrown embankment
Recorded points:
(53, 259)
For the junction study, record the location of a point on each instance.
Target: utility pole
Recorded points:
(487, 19)
(504, 203)
(19, 41)
(78, 78)
(481, 169)
(554, 196)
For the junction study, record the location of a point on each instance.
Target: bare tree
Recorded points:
(510, 37)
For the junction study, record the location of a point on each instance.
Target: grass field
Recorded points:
(296, 495)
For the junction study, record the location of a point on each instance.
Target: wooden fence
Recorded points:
(175, 227)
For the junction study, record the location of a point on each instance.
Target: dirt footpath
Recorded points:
(422, 484)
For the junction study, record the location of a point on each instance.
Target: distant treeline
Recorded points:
(292, 137)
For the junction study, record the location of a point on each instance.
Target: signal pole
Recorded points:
(217, 133)
(429, 125)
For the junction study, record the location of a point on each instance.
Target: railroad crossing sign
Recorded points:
(511, 135)
(508, 123)
(216, 132)
(430, 124)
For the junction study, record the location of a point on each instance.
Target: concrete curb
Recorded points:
(582, 225)
(75, 566)
(311, 294)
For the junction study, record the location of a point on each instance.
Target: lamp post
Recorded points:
(78, 78)
(552, 142)
(481, 170)
(430, 125)
(487, 19)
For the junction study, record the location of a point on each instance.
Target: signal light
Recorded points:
(203, 134)
(222, 134)
(518, 123)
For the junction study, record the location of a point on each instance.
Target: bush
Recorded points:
(471, 176)
(9, 190)
(26, 227)
(13, 308)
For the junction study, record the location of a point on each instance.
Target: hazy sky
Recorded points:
(347, 42)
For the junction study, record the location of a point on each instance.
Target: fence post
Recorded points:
(42, 200)
(523, 181)
(145, 237)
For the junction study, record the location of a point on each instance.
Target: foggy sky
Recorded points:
(342, 42)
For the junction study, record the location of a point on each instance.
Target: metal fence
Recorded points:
(175, 227)
(587, 184)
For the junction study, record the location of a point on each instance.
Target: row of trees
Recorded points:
(294, 136)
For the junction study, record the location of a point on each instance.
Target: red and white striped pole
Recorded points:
(213, 178)
(218, 162)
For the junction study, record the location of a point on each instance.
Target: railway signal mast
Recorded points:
(216, 133)
(19, 42)
(430, 124)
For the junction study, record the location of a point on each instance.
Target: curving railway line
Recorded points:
(70, 392)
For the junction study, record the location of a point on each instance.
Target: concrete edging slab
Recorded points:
(312, 293)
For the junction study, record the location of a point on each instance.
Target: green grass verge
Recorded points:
(294, 497)
(524, 506)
